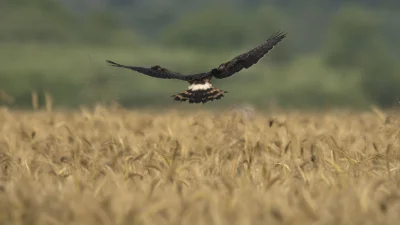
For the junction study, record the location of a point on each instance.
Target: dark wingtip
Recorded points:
(281, 34)
(112, 63)
(278, 35)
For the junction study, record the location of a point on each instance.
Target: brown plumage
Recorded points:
(201, 89)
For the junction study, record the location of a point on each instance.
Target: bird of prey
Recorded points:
(200, 89)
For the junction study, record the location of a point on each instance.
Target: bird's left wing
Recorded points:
(154, 71)
(246, 60)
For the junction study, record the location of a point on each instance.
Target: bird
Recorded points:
(200, 89)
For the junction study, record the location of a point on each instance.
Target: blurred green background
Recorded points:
(337, 53)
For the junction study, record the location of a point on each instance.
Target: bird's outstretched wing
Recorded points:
(154, 71)
(247, 59)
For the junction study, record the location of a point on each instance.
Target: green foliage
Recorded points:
(381, 79)
(219, 28)
(308, 83)
(354, 33)
(213, 28)
(47, 48)
(43, 21)
(357, 43)
(227, 29)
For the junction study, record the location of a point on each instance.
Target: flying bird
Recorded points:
(200, 89)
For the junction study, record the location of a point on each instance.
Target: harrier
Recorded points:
(200, 89)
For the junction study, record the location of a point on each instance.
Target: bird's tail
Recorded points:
(200, 96)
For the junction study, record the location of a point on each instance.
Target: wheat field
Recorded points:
(118, 166)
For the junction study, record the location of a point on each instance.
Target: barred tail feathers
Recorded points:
(200, 93)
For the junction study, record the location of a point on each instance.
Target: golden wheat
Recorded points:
(115, 166)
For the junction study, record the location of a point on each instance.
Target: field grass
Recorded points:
(115, 166)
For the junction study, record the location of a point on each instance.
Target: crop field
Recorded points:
(118, 166)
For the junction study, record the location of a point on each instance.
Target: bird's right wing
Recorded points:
(249, 58)
(154, 71)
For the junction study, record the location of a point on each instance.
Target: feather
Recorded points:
(247, 59)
